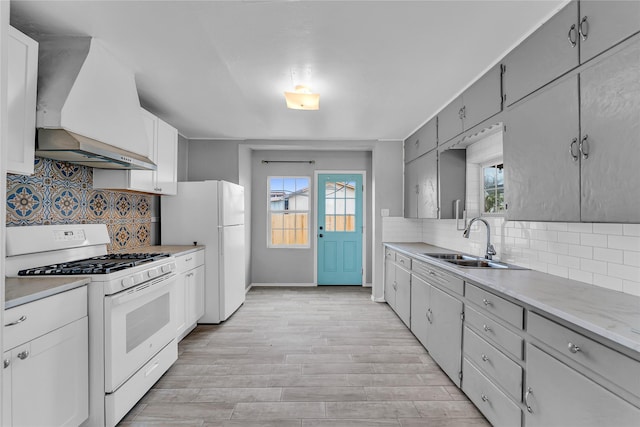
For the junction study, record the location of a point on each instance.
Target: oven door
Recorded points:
(139, 322)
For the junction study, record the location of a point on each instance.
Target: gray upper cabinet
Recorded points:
(422, 141)
(606, 23)
(610, 137)
(450, 121)
(542, 177)
(548, 53)
(421, 187)
(482, 99)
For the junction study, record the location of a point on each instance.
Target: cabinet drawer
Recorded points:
(494, 404)
(496, 305)
(389, 254)
(42, 316)
(494, 363)
(438, 277)
(603, 360)
(189, 261)
(489, 328)
(403, 261)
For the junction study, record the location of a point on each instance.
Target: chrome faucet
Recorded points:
(490, 249)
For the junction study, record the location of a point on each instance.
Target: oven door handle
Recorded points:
(147, 288)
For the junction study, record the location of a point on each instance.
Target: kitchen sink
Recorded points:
(470, 261)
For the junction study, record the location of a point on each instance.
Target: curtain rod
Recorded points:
(288, 161)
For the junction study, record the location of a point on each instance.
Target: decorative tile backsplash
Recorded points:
(62, 193)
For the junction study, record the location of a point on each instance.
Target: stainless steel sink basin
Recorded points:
(470, 261)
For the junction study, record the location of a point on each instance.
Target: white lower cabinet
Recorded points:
(190, 295)
(557, 395)
(46, 379)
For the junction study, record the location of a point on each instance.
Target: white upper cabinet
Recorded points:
(164, 153)
(21, 90)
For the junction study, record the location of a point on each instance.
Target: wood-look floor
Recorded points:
(305, 357)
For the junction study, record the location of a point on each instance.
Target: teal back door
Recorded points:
(339, 229)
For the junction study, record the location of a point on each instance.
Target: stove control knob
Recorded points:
(167, 268)
(138, 278)
(152, 273)
(127, 282)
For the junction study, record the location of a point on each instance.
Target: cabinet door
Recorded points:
(452, 182)
(482, 99)
(180, 301)
(544, 56)
(22, 78)
(542, 179)
(390, 283)
(195, 295)
(423, 140)
(145, 180)
(51, 384)
(427, 178)
(411, 190)
(403, 295)
(450, 121)
(444, 333)
(583, 403)
(6, 389)
(166, 159)
(419, 306)
(610, 117)
(606, 23)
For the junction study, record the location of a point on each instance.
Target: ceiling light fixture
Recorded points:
(302, 99)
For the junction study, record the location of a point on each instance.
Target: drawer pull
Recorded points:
(429, 313)
(188, 259)
(486, 301)
(573, 348)
(20, 320)
(484, 398)
(484, 358)
(7, 362)
(433, 273)
(526, 399)
(23, 354)
(486, 328)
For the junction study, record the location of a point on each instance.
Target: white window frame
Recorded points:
(489, 163)
(270, 244)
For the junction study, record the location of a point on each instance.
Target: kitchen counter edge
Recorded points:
(19, 291)
(175, 250)
(610, 314)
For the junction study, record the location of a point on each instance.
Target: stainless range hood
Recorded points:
(88, 111)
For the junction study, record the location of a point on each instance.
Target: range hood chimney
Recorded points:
(88, 111)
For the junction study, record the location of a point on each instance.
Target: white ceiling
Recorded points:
(218, 69)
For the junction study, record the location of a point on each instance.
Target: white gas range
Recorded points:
(132, 327)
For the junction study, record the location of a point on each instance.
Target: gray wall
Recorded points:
(213, 159)
(183, 158)
(271, 265)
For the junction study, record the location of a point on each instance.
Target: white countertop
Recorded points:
(19, 290)
(169, 249)
(610, 314)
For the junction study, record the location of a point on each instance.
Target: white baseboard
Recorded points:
(248, 288)
(367, 285)
(288, 285)
(374, 299)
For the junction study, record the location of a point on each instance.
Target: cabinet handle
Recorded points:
(484, 398)
(417, 189)
(573, 40)
(584, 28)
(464, 112)
(526, 399)
(417, 142)
(486, 302)
(484, 358)
(7, 362)
(23, 354)
(188, 259)
(573, 348)
(584, 147)
(429, 313)
(432, 273)
(486, 328)
(572, 146)
(20, 320)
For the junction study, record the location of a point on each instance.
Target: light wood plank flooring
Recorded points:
(305, 357)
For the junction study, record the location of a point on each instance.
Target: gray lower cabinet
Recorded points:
(420, 310)
(606, 23)
(421, 186)
(557, 395)
(543, 177)
(397, 285)
(551, 51)
(422, 141)
(403, 295)
(610, 137)
(389, 279)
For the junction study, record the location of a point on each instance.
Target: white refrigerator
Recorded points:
(211, 213)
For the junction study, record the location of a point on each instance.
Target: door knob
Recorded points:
(321, 228)
(320, 235)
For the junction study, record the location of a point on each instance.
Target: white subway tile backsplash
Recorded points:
(607, 228)
(631, 229)
(581, 251)
(539, 245)
(581, 276)
(569, 237)
(548, 257)
(558, 248)
(598, 240)
(631, 258)
(593, 266)
(557, 226)
(580, 227)
(570, 261)
(630, 287)
(608, 282)
(558, 270)
(625, 272)
(630, 243)
(608, 255)
(549, 236)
